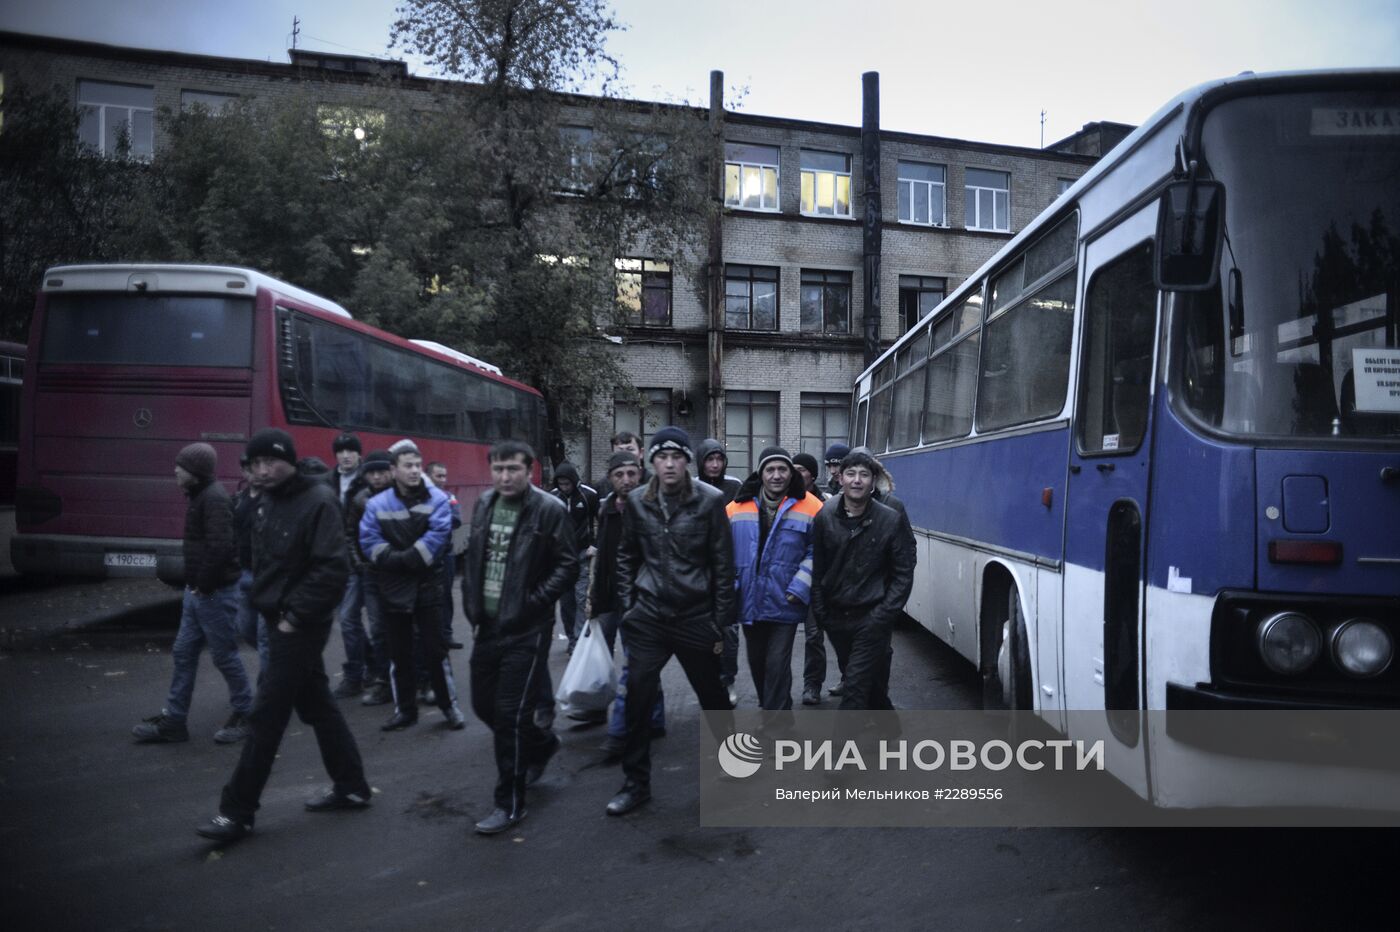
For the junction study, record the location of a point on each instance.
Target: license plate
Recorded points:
(147, 560)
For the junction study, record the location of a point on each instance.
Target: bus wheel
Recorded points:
(1014, 657)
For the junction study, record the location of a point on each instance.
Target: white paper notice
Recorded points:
(1176, 582)
(1377, 375)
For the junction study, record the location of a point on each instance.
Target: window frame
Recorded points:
(226, 99)
(750, 279)
(809, 188)
(658, 268)
(826, 278)
(741, 164)
(973, 200)
(632, 403)
(900, 182)
(749, 400)
(101, 108)
(824, 403)
(921, 288)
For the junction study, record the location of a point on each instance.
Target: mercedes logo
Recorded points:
(143, 417)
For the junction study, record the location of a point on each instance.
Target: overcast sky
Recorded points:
(962, 69)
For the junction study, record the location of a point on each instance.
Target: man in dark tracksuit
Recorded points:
(404, 533)
(675, 585)
(582, 502)
(521, 556)
(863, 571)
(299, 572)
(713, 470)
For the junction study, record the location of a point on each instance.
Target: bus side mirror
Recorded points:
(1190, 231)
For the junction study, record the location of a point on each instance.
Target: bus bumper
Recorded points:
(70, 555)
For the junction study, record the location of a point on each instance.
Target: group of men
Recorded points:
(672, 564)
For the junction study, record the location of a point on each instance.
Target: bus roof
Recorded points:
(1183, 102)
(161, 277)
(458, 355)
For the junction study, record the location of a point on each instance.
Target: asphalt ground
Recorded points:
(97, 832)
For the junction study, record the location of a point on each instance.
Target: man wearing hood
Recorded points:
(771, 522)
(582, 503)
(714, 462)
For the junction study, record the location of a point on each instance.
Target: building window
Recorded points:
(111, 113)
(919, 294)
(750, 297)
(577, 142)
(643, 412)
(362, 124)
(750, 425)
(921, 189)
(988, 200)
(211, 102)
(644, 291)
(826, 419)
(826, 184)
(826, 301)
(750, 176)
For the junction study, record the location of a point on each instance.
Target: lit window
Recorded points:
(826, 301)
(921, 190)
(750, 176)
(750, 297)
(826, 184)
(112, 114)
(919, 294)
(988, 200)
(213, 103)
(750, 426)
(644, 291)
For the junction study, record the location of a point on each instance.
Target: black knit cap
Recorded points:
(347, 441)
(198, 459)
(376, 460)
(807, 461)
(274, 443)
(670, 438)
(836, 453)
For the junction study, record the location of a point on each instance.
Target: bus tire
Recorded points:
(1016, 682)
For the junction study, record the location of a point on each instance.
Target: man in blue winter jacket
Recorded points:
(404, 534)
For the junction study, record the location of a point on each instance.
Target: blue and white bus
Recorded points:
(1151, 448)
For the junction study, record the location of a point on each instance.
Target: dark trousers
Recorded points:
(295, 678)
(813, 654)
(402, 626)
(448, 566)
(505, 683)
(729, 660)
(769, 648)
(649, 647)
(864, 652)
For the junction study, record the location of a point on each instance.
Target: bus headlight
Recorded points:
(1289, 642)
(1361, 647)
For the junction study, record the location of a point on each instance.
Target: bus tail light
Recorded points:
(1361, 647)
(1289, 642)
(1324, 552)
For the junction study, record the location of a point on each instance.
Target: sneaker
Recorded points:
(378, 694)
(223, 829)
(837, 690)
(588, 716)
(733, 696)
(455, 719)
(628, 798)
(348, 688)
(544, 718)
(812, 695)
(333, 799)
(234, 730)
(426, 696)
(399, 721)
(161, 729)
(499, 821)
(535, 771)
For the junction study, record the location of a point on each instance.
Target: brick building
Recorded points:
(817, 262)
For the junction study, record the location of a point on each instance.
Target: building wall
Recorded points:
(789, 361)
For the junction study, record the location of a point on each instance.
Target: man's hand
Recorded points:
(793, 600)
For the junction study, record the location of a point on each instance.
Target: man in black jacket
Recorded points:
(299, 570)
(582, 502)
(210, 611)
(863, 570)
(675, 586)
(521, 556)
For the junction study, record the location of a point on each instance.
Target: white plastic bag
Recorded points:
(589, 682)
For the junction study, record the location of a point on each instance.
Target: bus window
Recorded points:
(878, 430)
(115, 330)
(952, 379)
(1116, 378)
(1025, 358)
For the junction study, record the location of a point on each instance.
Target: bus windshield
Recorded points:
(1299, 340)
(97, 328)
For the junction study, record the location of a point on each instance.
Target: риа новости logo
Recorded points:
(740, 755)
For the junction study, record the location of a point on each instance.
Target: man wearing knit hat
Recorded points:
(300, 566)
(210, 609)
(771, 520)
(834, 455)
(675, 588)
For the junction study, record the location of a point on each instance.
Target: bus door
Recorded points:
(1107, 494)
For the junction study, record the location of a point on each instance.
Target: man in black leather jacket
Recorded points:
(300, 565)
(675, 586)
(862, 573)
(521, 556)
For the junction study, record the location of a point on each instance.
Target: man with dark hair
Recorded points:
(521, 556)
(347, 449)
(771, 520)
(299, 570)
(251, 627)
(624, 441)
(675, 586)
(376, 474)
(714, 463)
(834, 455)
(403, 532)
(863, 572)
(582, 503)
(437, 473)
(209, 613)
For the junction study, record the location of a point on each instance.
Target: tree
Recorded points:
(528, 276)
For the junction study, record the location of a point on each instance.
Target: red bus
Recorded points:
(11, 378)
(129, 363)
